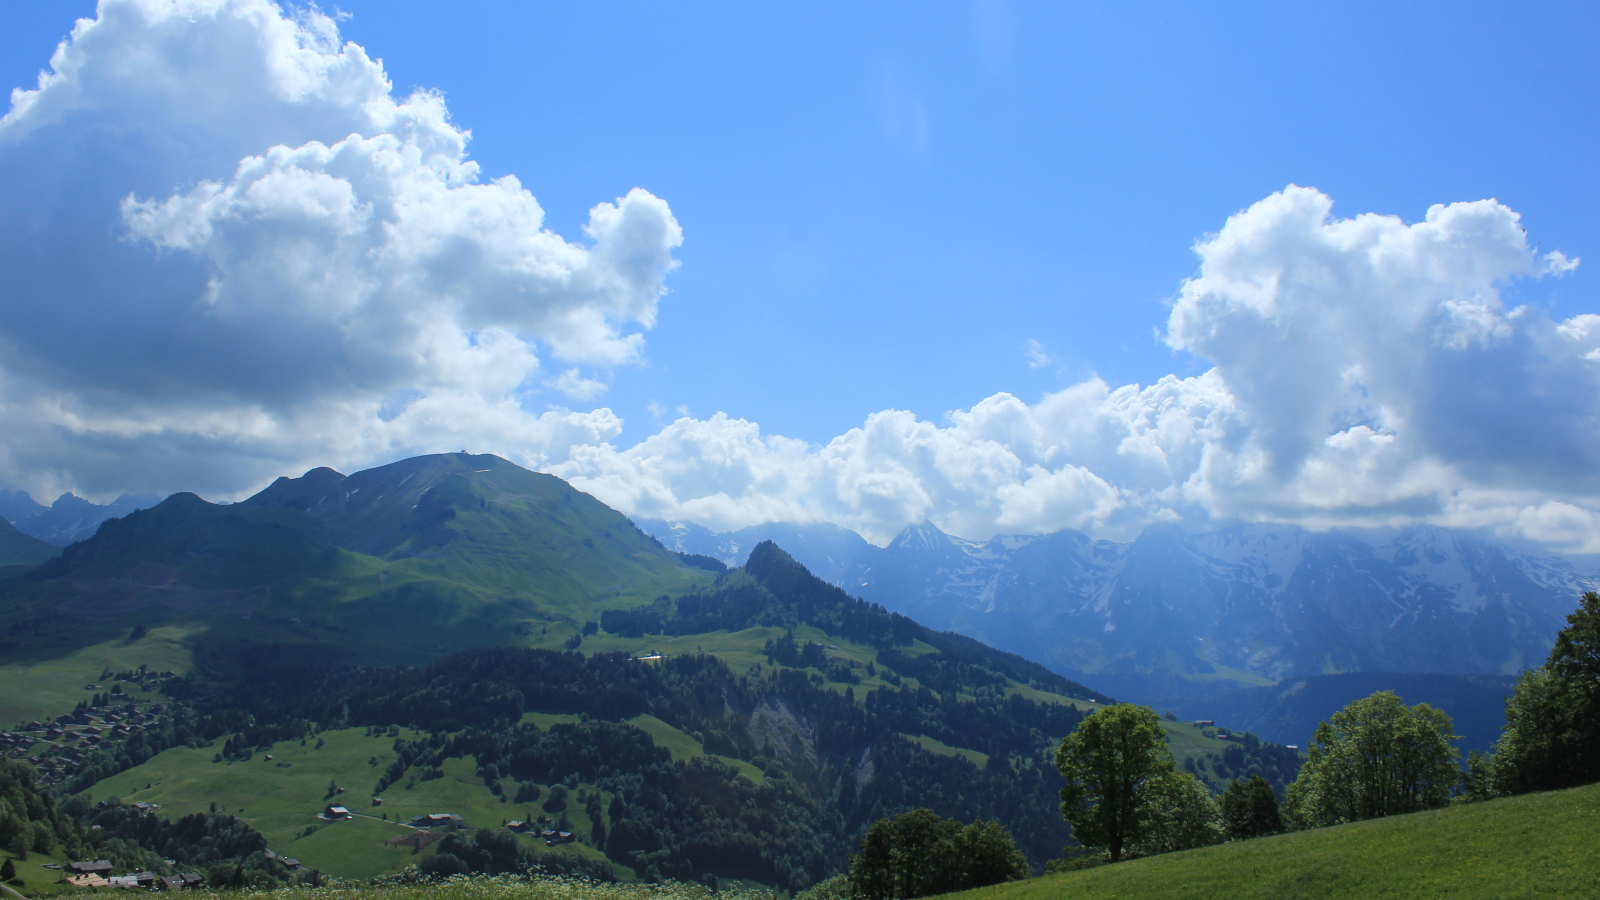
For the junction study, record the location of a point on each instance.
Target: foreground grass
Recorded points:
(1539, 845)
(500, 888)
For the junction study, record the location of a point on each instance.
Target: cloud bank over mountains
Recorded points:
(233, 253)
(1365, 374)
(229, 248)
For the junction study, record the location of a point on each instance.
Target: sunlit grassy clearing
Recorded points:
(38, 686)
(282, 796)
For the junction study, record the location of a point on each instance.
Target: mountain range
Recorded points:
(70, 518)
(1172, 616)
(395, 564)
(713, 724)
(404, 562)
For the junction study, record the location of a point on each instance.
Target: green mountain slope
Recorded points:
(18, 549)
(1536, 845)
(398, 564)
(483, 523)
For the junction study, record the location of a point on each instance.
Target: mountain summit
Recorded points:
(396, 563)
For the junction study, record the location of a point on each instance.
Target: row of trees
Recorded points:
(918, 854)
(1552, 719)
(1376, 757)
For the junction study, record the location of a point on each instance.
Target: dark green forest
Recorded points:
(838, 766)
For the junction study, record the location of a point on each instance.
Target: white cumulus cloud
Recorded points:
(1365, 373)
(231, 251)
(577, 387)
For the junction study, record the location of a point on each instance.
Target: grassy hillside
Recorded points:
(1534, 846)
(504, 888)
(281, 797)
(489, 526)
(396, 565)
(46, 676)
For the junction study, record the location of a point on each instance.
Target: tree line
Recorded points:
(1376, 757)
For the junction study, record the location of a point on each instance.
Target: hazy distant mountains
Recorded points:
(71, 518)
(1173, 615)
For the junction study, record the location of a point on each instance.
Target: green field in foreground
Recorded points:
(1538, 845)
(498, 888)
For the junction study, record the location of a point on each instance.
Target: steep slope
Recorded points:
(396, 563)
(18, 549)
(484, 523)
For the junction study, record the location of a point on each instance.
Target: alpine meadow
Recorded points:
(515, 451)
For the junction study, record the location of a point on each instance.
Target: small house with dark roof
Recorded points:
(437, 819)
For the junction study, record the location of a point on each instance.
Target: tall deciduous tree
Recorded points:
(1250, 810)
(1376, 757)
(1109, 762)
(1178, 814)
(1553, 718)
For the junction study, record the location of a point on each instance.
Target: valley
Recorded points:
(457, 635)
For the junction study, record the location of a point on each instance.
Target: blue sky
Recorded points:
(885, 208)
(1072, 153)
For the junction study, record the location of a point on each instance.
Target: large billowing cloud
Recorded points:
(1365, 373)
(230, 249)
(230, 252)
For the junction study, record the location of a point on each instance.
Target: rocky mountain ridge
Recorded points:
(70, 518)
(1171, 614)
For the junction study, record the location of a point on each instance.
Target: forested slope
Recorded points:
(831, 761)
